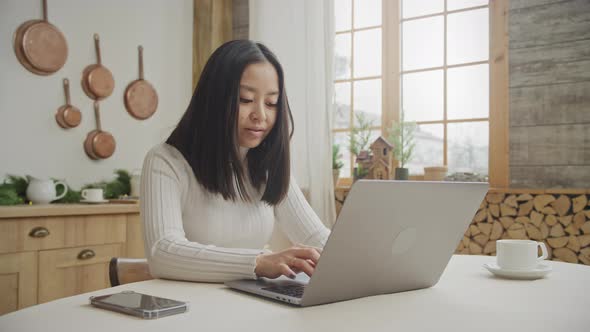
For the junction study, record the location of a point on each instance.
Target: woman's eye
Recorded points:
(271, 104)
(245, 101)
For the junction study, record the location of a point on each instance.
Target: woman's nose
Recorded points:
(259, 113)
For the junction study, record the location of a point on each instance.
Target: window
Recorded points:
(445, 82)
(358, 71)
(429, 58)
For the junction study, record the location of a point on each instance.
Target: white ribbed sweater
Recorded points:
(191, 234)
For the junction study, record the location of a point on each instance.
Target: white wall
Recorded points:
(30, 140)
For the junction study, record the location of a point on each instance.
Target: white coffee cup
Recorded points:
(93, 195)
(519, 254)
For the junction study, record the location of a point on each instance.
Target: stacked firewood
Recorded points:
(561, 221)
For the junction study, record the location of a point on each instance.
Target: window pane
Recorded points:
(429, 148)
(367, 13)
(460, 4)
(342, 139)
(468, 147)
(468, 92)
(341, 105)
(423, 43)
(468, 36)
(342, 48)
(413, 8)
(367, 53)
(422, 95)
(367, 100)
(342, 15)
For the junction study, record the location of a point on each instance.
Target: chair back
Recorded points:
(127, 270)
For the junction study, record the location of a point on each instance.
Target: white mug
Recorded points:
(93, 195)
(519, 254)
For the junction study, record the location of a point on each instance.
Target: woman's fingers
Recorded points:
(307, 253)
(287, 271)
(319, 250)
(302, 265)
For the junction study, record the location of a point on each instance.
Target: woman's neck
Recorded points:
(243, 152)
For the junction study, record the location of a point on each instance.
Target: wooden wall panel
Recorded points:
(551, 23)
(212, 26)
(499, 172)
(241, 19)
(550, 176)
(549, 93)
(550, 104)
(518, 4)
(550, 64)
(550, 145)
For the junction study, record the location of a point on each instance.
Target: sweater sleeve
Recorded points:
(170, 255)
(298, 220)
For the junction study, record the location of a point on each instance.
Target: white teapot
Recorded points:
(43, 191)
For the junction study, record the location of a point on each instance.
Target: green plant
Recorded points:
(114, 189)
(336, 163)
(401, 134)
(13, 190)
(360, 134)
(360, 172)
(72, 196)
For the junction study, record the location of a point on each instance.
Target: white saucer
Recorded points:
(94, 202)
(538, 272)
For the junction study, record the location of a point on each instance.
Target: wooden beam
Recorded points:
(212, 26)
(499, 167)
(391, 66)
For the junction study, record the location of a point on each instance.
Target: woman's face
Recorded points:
(259, 93)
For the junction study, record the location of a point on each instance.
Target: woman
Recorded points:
(211, 194)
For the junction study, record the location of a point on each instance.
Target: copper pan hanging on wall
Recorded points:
(68, 116)
(97, 80)
(99, 144)
(141, 99)
(40, 46)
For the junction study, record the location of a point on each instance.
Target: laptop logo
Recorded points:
(404, 241)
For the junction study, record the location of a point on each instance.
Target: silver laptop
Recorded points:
(390, 236)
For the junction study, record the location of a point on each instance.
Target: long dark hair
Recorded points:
(207, 133)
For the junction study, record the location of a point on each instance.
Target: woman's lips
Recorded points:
(255, 132)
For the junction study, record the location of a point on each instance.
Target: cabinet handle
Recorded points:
(39, 232)
(86, 254)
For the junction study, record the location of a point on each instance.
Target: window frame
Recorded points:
(498, 119)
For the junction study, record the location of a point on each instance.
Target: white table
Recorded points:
(467, 298)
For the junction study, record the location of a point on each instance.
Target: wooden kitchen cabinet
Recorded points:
(18, 281)
(67, 272)
(57, 250)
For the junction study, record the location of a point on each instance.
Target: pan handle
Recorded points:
(44, 4)
(97, 116)
(140, 49)
(97, 48)
(67, 90)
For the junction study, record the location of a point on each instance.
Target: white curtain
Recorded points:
(301, 34)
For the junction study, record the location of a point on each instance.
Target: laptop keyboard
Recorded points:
(290, 290)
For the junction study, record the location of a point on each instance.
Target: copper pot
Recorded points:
(141, 99)
(97, 80)
(99, 144)
(40, 46)
(68, 116)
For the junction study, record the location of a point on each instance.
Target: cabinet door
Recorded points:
(67, 272)
(18, 281)
(134, 237)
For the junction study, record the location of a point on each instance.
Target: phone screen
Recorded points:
(139, 301)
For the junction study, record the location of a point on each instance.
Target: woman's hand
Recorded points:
(288, 262)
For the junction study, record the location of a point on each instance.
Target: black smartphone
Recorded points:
(139, 305)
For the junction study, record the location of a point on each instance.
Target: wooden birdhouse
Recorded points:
(381, 160)
(378, 161)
